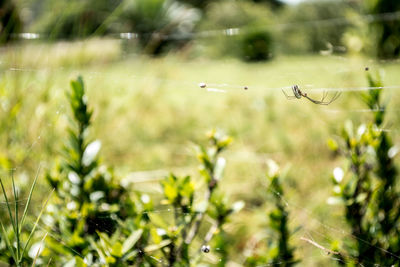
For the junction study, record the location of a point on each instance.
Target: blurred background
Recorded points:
(142, 62)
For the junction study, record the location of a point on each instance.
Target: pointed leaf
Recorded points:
(131, 241)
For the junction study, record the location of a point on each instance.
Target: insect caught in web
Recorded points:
(297, 94)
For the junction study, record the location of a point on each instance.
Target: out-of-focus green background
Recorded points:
(142, 61)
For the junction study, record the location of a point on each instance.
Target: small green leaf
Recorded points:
(154, 235)
(91, 152)
(155, 247)
(131, 241)
(116, 250)
(157, 220)
(79, 262)
(170, 192)
(332, 144)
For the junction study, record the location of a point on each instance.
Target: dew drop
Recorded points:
(205, 248)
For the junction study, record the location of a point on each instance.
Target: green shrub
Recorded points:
(89, 200)
(256, 46)
(279, 250)
(186, 239)
(369, 189)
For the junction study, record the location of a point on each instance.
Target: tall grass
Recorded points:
(16, 246)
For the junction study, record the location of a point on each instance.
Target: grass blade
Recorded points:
(37, 221)
(16, 219)
(40, 247)
(7, 204)
(9, 247)
(29, 198)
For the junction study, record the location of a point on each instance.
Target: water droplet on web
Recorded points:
(205, 248)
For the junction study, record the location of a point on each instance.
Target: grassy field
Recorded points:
(149, 111)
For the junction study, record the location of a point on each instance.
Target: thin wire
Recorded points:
(225, 87)
(338, 21)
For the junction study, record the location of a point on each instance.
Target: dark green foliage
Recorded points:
(256, 45)
(88, 200)
(387, 31)
(10, 22)
(369, 191)
(272, 3)
(76, 18)
(202, 4)
(279, 251)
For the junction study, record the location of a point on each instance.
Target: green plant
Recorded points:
(279, 250)
(369, 190)
(15, 239)
(256, 45)
(183, 244)
(88, 199)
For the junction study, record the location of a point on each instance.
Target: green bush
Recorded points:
(94, 220)
(89, 200)
(256, 46)
(249, 39)
(279, 250)
(368, 189)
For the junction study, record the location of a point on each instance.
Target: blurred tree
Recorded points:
(256, 45)
(311, 27)
(160, 24)
(10, 22)
(77, 18)
(387, 31)
(252, 41)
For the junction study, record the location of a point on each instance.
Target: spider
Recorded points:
(298, 94)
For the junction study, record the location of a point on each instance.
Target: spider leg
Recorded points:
(289, 97)
(335, 96)
(313, 100)
(325, 93)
